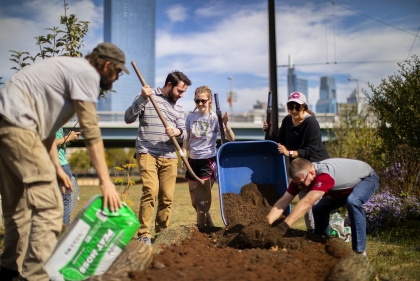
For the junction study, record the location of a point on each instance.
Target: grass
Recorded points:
(396, 251)
(182, 211)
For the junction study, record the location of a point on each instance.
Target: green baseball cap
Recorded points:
(111, 53)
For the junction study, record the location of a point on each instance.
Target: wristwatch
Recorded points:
(291, 153)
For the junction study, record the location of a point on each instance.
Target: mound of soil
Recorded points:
(250, 249)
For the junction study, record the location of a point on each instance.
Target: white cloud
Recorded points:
(235, 43)
(223, 48)
(177, 13)
(18, 33)
(238, 44)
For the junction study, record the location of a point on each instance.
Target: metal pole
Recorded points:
(273, 63)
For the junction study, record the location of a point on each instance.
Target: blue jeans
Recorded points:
(361, 194)
(67, 199)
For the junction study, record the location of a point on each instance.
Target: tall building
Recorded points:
(327, 102)
(296, 84)
(130, 24)
(353, 97)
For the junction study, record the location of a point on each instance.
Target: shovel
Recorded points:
(220, 119)
(162, 118)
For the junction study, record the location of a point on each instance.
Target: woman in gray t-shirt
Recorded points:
(202, 128)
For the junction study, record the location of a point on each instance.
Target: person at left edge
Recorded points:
(34, 104)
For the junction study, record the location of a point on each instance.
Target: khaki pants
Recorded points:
(31, 202)
(158, 176)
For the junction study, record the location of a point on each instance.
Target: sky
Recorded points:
(213, 40)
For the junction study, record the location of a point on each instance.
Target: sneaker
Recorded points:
(362, 254)
(145, 240)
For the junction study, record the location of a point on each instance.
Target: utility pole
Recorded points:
(273, 64)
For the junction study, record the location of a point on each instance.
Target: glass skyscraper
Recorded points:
(296, 84)
(327, 102)
(130, 24)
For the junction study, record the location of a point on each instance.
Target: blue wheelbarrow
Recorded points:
(244, 162)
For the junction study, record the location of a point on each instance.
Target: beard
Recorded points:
(106, 82)
(171, 96)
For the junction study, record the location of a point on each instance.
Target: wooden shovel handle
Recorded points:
(165, 124)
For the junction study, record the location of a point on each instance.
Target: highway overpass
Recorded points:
(248, 126)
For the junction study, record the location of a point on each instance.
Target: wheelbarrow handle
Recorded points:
(220, 119)
(165, 124)
(269, 110)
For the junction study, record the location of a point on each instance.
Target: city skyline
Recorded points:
(213, 40)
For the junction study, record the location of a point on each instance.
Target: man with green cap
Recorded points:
(34, 104)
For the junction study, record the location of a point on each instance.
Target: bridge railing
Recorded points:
(247, 117)
(252, 119)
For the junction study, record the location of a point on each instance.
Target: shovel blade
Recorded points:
(202, 194)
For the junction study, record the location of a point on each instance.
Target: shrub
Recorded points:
(385, 210)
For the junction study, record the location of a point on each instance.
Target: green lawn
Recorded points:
(182, 211)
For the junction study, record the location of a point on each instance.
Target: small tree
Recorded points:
(80, 162)
(118, 156)
(353, 136)
(396, 105)
(68, 44)
(119, 182)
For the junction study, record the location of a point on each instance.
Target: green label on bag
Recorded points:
(95, 239)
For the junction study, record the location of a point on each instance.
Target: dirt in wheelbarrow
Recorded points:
(248, 248)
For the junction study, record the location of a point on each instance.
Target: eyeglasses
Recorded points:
(302, 183)
(202, 101)
(120, 73)
(291, 106)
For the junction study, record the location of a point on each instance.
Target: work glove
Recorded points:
(283, 226)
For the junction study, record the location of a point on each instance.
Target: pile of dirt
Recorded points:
(251, 205)
(250, 249)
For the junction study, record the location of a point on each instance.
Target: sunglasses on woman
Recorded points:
(291, 106)
(202, 101)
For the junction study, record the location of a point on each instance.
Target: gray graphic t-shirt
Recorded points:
(203, 134)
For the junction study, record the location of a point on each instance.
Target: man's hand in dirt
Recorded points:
(283, 226)
(64, 179)
(111, 196)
